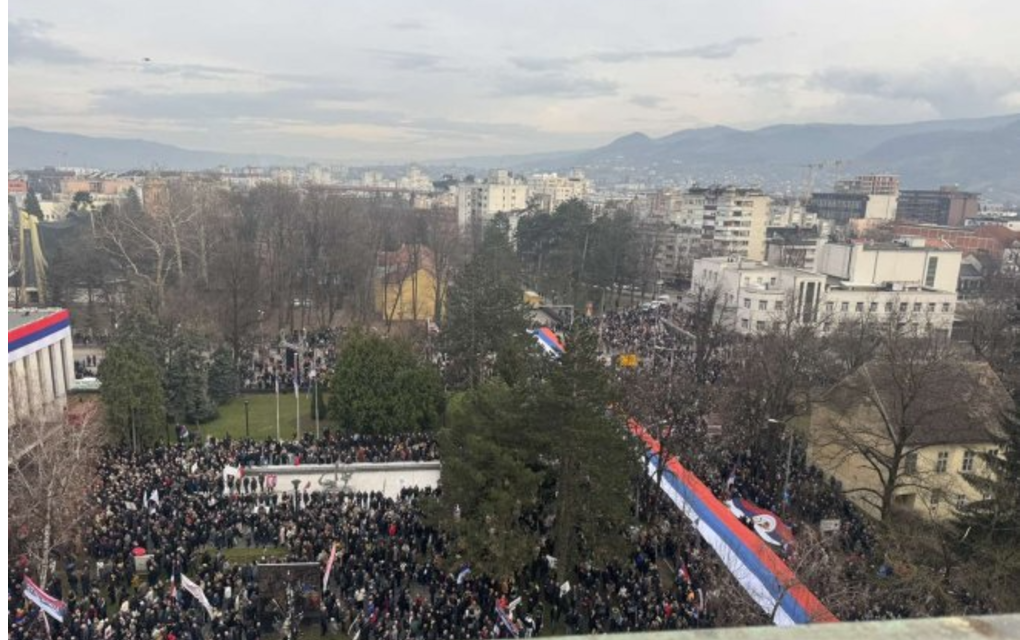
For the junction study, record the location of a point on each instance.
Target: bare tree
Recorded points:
(49, 484)
(877, 421)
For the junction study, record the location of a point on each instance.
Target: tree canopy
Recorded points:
(381, 386)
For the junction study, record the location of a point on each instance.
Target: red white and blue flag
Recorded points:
(751, 561)
(54, 608)
(767, 525)
(549, 341)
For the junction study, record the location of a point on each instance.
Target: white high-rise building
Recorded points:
(546, 191)
(501, 192)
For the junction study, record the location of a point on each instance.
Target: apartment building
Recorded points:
(917, 286)
(731, 220)
(944, 206)
(501, 192)
(546, 191)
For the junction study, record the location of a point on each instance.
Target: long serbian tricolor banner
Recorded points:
(761, 573)
(37, 334)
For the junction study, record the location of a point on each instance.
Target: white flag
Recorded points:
(197, 593)
(155, 496)
(232, 472)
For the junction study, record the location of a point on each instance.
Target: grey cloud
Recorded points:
(768, 80)
(407, 25)
(554, 85)
(534, 63)
(648, 102)
(193, 71)
(413, 61)
(294, 103)
(711, 51)
(28, 41)
(953, 91)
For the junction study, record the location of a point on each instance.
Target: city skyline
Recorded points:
(345, 82)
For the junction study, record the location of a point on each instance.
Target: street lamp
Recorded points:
(297, 483)
(247, 432)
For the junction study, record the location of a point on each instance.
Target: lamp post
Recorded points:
(247, 431)
(296, 483)
(315, 379)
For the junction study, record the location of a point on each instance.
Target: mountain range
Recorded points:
(981, 154)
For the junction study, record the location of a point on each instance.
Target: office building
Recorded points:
(946, 206)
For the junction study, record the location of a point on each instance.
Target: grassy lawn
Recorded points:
(246, 555)
(262, 417)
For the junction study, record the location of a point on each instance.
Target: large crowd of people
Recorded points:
(301, 356)
(394, 577)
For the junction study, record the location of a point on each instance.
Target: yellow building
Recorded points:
(923, 424)
(405, 284)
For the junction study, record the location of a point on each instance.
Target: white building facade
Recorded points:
(40, 363)
(501, 192)
(850, 282)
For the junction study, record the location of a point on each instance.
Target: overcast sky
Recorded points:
(414, 79)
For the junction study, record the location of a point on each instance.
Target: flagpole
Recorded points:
(278, 407)
(297, 404)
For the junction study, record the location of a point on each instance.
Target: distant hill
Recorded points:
(981, 154)
(30, 149)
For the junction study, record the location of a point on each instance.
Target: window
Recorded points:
(772, 282)
(873, 307)
(992, 453)
(910, 463)
(826, 326)
(779, 305)
(744, 323)
(829, 306)
(936, 497)
(763, 305)
(859, 307)
(929, 276)
(917, 307)
(961, 501)
(968, 461)
(942, 462)
(844, 307)
(747, 303)
(931, 307)
(760, 325)
(946, 307)
(888, 307)
(903, 307)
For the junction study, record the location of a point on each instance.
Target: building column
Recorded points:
(68, 363)
(35, 400)
(46, 377)
(20, 376)
(57, 361)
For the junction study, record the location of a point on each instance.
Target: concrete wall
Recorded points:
(385, 477)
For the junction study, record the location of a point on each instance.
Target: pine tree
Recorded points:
(485, 333)
(380, 386)
(186, 380)
(595, 460)
(132, 393)
(32, 205)
(491, 481)
(222, 376)
(995, 518)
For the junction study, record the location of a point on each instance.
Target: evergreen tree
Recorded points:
(485, 333)
(132, 393)
(222, 376)
(596, 459)
(380, 386)
(32, 205)
(186, 380)
(996, 517)
(491, 480)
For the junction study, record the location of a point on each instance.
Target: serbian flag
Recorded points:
(464, 573)
(54, 608)
(507, 623)
(549, 341)
(766, 524)
(329, 567)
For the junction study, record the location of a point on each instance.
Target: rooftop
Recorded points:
(20, 317)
